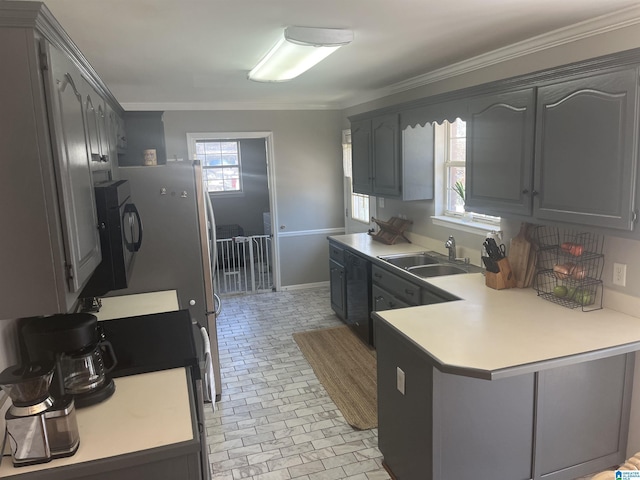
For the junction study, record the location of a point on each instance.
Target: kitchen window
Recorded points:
(454, 142)
(359, 202)
(221, 165)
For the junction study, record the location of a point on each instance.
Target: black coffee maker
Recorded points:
(75, 344)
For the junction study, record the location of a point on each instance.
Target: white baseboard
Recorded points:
(304, 286)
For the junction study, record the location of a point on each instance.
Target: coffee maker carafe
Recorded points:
(39, 427)
(74, 342)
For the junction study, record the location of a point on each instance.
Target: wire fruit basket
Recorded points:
(569, 268)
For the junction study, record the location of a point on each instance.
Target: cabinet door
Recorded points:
(583, 415)
(383, 300)
(586, 152)
(361, 173)
(75, 188)
(90, 103)
(418, 162)
(385, 135)
(405, 435)
(338, 289)
(500, 137)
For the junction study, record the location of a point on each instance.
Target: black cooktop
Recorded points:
(149, 343)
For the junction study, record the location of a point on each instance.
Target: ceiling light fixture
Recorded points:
(297, 51)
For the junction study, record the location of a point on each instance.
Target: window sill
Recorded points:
(477, 228)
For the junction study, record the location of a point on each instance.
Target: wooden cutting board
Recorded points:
(519, 255)
(533, 257)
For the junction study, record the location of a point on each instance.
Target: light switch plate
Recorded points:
(400, 380)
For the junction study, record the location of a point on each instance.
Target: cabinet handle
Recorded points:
(377, 275)
(525, 191)
(391, 304)
(534, 193)
(408, 292)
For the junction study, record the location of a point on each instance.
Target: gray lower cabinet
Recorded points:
(401, 292)
(586, 150)
(383, 300)
(583, 416)
(557, 424)
(499, 164)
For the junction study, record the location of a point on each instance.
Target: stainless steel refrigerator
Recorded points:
(178, 250)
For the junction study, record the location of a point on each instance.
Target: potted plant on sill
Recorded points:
(458, 187)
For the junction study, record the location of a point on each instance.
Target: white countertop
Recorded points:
(146, 411)
(497, 333)
(138, 304)
(363, 243)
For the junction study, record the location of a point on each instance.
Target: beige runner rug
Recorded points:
(346, 367)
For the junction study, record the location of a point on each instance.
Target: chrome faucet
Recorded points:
(451, 246)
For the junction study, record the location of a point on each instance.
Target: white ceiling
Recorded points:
(176, 54)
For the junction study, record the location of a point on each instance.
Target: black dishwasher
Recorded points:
(358, 273)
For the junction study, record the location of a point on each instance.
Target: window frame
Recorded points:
(466, 216)
(358, 201)
(238, 166)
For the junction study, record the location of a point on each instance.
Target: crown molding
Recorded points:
(165, 107)
(589, 28)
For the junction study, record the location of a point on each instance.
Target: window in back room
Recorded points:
(221, 162)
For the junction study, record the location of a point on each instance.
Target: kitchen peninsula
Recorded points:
(499, 384)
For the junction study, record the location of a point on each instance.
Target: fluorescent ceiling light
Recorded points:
(297, 51)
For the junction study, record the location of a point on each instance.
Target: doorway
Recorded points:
(246, 244)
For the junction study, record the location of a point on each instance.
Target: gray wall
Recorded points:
(246, 208)
(308, 172)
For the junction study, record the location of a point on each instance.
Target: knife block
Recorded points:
(503, 279)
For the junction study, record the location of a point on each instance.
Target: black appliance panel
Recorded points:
(120, 228)
(359, 296)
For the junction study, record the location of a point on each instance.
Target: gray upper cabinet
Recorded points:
(385, 137)
(71, 151)
(361, 168)
(418, 158)
(500, 137)
(51, 242)
(376, 156)
(586, 150)
(388, 162)
(90, 102)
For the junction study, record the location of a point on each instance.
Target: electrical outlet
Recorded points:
(400, 380)
(381, 202)
(620, 274)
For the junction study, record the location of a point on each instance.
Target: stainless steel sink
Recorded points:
(426, 271)
(409, 260)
